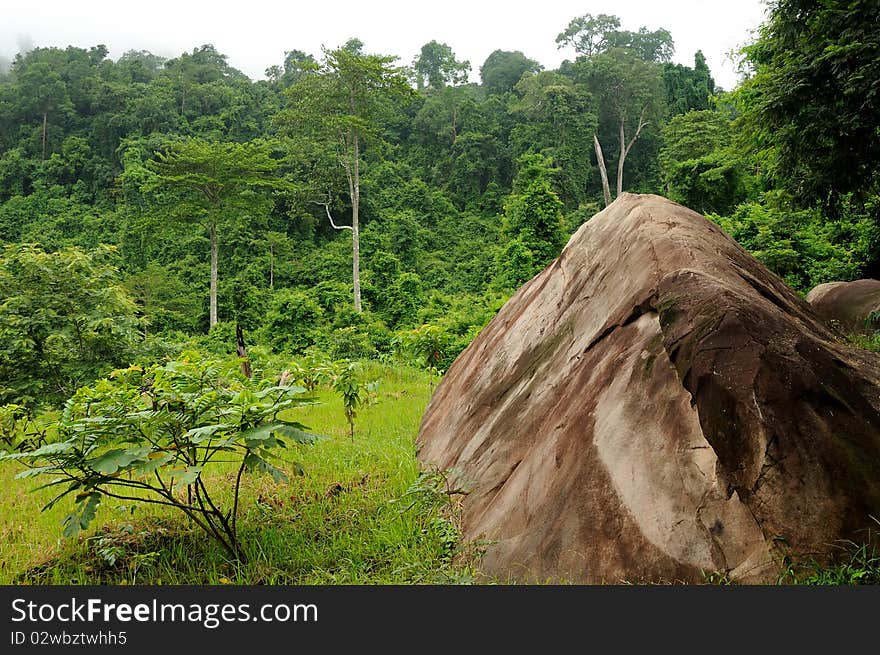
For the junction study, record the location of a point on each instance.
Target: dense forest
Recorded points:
(355, 206)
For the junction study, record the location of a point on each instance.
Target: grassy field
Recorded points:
(358, 515)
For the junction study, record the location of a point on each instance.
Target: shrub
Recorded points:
(149, 436)
(64, 321)
(293, 321)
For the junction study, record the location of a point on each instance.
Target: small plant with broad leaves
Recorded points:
(355, 393)
(312, 371)
(150, 436)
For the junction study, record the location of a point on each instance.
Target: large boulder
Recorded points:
(656, 405)
(849, 306)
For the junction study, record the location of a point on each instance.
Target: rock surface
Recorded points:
(847, 305)
(654, 405)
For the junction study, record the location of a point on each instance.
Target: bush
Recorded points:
(803, 247)
(294, 320)
(64, 321)
(515, 264)
(149, 436)
(351, 343)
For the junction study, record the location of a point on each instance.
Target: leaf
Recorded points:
(205, 432)
(182, 478)
(29, 473)
(295, 424)
(263, 435)
(155, 461)
(49, 449)
(75, 522)
(298, 435)
(118, 458)
(256, 463)
(292, 390)
(73, 487)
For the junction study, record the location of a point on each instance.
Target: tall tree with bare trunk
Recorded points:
(337, 107)
(629, 95)
(219, 180)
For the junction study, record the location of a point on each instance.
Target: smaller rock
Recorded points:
(852, 307)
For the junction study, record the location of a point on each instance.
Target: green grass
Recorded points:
(871, 343)
(361, 514)
(854, 564)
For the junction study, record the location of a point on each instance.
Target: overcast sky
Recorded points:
(254, 34)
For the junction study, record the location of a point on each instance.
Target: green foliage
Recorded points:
(803, 247)
(427, 344)
(515, 264)
(435, 66)
(312, 371)
(533, 215)
(625, 87)
(433, 491)
(688, 89)
(698, 166)
(352, 341)
(593, 35)
(811, 102)
(556, 117)
(404, 299)
(216, 180)
(347, 521)
(64, 321)
(147, 436)
(354, 392)
(164, 300)
(503, 69)
(852, 564)
(293, 321)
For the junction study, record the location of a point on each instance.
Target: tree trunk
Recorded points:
(213, 229)
(454, 123)
(606, 190)
(626, 147)
(45, 125)
(355, 231)
(242, 352)
(621, 159)
(271, 267)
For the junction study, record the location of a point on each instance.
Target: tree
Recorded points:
(629, 95)
(812, 101)
(354, 393)
(698, 166)
(594, 35)
(533, 212)
(296, 64)
(218, 179)
(693, 135)
(503, 69)
(45, 93)
(588, 34)
(688, 88)
(64, 321)
(339, 109)
(436, 66)
(556, 118)
(164, 300)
